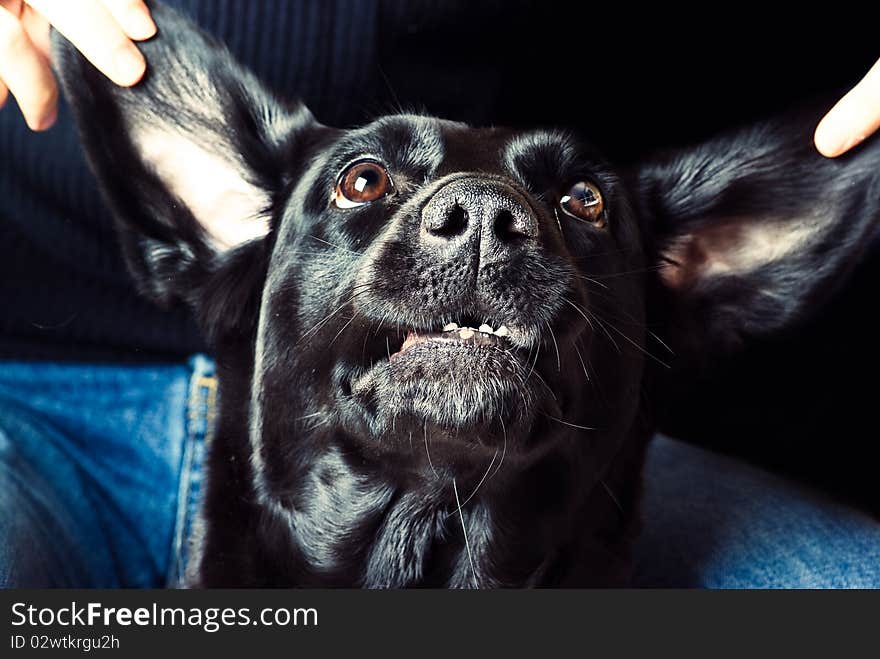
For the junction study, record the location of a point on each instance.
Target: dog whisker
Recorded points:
(555, 345)
(428, 452)
(340, 248)
(317, 327)
(604, 329)
(567, 423)
(590, 315)
(608, 252)
(660, 341)
(344, 327)
(634, 344)
(631, 321)
(522, 389)
(543, 382)
(535, 360)
(592, 374)
(533, 371)
(581, 359)
(503, 447)
(580, 311)
(472, 494)
(467, 543)
(381, 324)
(625, 273)
(611, 494)
(323, 422)
(591, 280)
(364, 346)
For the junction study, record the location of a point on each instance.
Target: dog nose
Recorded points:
(475, 209)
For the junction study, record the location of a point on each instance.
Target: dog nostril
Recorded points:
(508, 229)
(454, 223)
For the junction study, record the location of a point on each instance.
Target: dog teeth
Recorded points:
(465, 332)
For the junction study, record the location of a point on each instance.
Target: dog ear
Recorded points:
(192, 162)
(752, 232)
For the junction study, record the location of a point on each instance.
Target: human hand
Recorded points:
(102, 30)
(855, 117)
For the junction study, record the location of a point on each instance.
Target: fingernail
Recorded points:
(139, 24)
(130, 65)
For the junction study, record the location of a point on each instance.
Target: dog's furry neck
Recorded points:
(354, 526)
(329, 517)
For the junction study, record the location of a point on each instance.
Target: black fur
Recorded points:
(337, 464)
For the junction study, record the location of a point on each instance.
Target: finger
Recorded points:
(855, 117)
(27, 74)
(37, 28)
(134, 18)
(14, 7)
(90, 26)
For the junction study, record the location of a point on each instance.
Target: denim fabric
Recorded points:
(99, 471)
(101, 468)
(714, 522)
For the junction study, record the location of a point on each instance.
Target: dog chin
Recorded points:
(447, 387)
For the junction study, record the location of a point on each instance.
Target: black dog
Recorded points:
(431, 339)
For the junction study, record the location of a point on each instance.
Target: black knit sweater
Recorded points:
(64, 291)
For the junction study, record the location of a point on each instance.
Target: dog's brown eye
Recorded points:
(362, 183)
(584, 202)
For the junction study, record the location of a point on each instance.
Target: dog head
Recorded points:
(435, 298)
(436, 272)
(413, 276)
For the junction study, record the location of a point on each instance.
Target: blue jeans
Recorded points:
(714, 522)
(100, 472)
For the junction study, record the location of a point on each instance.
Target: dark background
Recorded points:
(634, 77)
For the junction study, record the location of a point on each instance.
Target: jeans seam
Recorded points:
(201, 410)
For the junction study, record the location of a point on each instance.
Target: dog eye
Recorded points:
(584, 202)
(361, 183)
